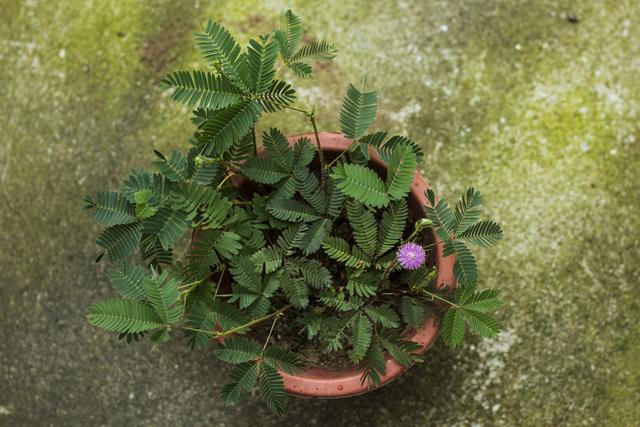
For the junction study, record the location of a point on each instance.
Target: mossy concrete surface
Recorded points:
(533, 102)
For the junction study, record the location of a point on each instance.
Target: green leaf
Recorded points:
(358, 112)
(313, 272)
(296, 291)
(271, 388)
(243, 377)
(270, 258)
(201, 89)
(483, 324)
(228, 125)
(293, 31)
(277, 148)
(261, 57)
(176, 168)
(394, 220)
(400, 172)
(384, 315)
(167, 225)
(279, 95)
(361, 340)
(120, 241)
(202, 318)
(483, 301)
(401, 349)
(123, 316)
(413, 311)
(375, 364)
(111, 209)
(284, 360)
(467, 211)
(244, 272)
(453, 327)
(338, 249)
(364, 225)
(264, 171)
(220, 49)
(160, 335)
(162, 293)
(308, 186)
(315, 234)
(128, 280)
(318, 50)
(483, 233)
(291, 210)
(465, 269)
(441, 215)
(237, 350)
(360, 183)
(302, 70)
(303, 153)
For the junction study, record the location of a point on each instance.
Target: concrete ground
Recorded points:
(534, 102)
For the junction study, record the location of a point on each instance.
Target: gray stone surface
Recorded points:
(538, 112)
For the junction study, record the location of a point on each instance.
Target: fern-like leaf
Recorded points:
(111, 209)
(465, 268)
(483, 233)
(264, 171)
(162, 293)
(483, 301)
(467, 211)
(243, 379)
(384, 315)
(364, 226)
(167, 225)
(271, 388)
(338, 249)
(360, 183)
(318, 50)
(392, 225)
(291, 210)
(484, 324)
(453, 327)
(279, 95)
(228, 125)
(201, 89)
(302, 70)
(120, 241)
(358, 112)
(128, 280)
(402, 166)
(238, 350)
(284, 360)
(277, 148)
(315, 234)
(261, 57)
(220, 49)
(123, 316)
(413, 311)
(361, 339)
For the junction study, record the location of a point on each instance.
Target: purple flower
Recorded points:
(411, 256)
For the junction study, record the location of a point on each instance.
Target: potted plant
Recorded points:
(320, 265)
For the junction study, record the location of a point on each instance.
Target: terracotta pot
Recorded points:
(316, 382)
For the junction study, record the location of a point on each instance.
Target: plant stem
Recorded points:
(253, 322)
(225, 179)
(275, 319)
(436, 296)
(323, 166)
(337, 158)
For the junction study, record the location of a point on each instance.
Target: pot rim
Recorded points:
(317, 382)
